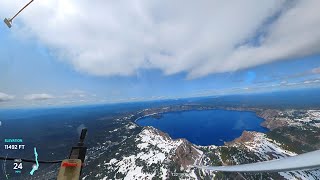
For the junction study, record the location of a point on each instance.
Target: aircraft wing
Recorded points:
(306, 161)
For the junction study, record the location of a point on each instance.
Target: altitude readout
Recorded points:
(14, 146)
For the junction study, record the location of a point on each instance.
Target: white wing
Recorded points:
(310, 160)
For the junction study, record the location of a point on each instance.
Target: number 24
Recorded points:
(17, 166)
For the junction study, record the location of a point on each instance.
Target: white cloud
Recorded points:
(299, 83)
(5, 97)
(313, 81)
(198, 37)
(42, 96)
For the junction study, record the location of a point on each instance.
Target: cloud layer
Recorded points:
(198, 37)
(5, 97)
(40, 97)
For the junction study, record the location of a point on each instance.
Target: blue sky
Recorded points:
(41, 66)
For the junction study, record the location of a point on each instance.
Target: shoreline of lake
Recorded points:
(237, 128)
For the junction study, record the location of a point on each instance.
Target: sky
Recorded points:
(104, 51)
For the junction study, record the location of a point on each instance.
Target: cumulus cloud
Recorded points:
(5, 97)
(42, 96)
(198, 37)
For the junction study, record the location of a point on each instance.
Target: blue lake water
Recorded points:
(210, 127)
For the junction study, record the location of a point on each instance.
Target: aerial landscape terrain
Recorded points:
(161, 89)
(120, 148)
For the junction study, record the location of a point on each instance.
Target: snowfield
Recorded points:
(154, 148)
